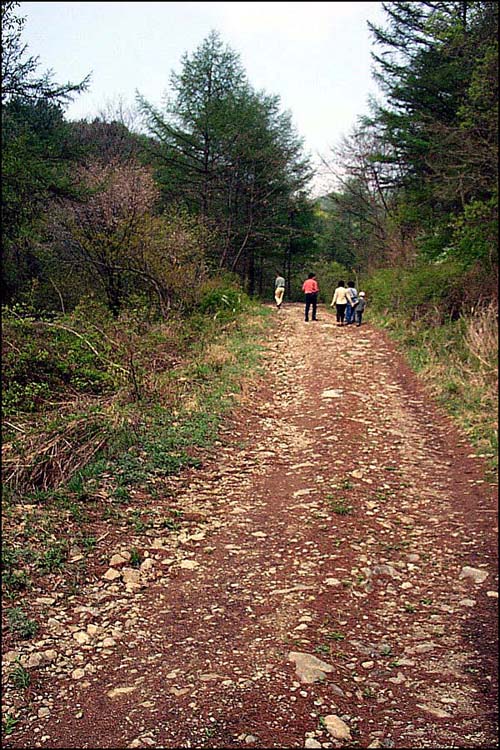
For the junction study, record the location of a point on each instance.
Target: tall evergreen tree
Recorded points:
(20, 77)
(37, 152)
(439, 123)
(228, 154)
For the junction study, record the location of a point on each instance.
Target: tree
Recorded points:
(19, 71)
(114, 236)
(37, 152)
(37, 156)
(439, 124)
(102, 232)
(196, 121)
(107, 141)
(228, 155)
(359, 212)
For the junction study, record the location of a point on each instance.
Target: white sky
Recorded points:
(314, 55)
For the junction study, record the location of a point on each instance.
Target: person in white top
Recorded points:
(340, 301)
(352, 300)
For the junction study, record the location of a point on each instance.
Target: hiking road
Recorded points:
(332, 582)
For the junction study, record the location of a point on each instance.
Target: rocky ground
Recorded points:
(332, 581)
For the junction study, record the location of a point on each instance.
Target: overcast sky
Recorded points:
(314, 55)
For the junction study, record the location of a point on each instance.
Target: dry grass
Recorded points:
(50, 457)
(481, 338)
(217, 356)
(459, 365)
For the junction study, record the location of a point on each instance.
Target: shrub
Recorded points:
(222, 302)
(475, 232)
(44, 358)
(20, 677)
(432, 291)
(20, 624)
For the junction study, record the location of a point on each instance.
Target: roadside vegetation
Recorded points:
(99, 413)
(135, 260)
(451, 345)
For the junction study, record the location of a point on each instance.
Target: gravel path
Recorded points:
(333, 582)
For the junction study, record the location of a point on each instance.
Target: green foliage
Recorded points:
(53, 557)
(20, 677)
(20, 625)
(421, 171)
(87, 541)
(36, 154)
(151, 419)
(341, 507)
(36, 166)
(335, 635)
(433, 291)
(42, 359)
(458, 360)
(14, 582)
(223, 303)
(135, 558)
(9, 724)
(475, 232)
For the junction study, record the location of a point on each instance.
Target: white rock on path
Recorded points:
(118, 560)
(438, 712)
(337, 728)
(311, 742)
(189, 564)
(111, 574)
(332, 393)
(477, 575)
(131, 576)
(81, 637)
(115, 692)
(309, 668)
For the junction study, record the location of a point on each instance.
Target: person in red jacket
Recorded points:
(310, 288)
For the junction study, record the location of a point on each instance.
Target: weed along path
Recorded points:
(332, 581)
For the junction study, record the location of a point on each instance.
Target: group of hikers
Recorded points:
(349, 305)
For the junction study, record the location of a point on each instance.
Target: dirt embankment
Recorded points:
(333, 582)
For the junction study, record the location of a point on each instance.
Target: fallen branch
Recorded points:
(97, 353)
(14, 427)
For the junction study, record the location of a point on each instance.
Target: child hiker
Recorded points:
(360, 308)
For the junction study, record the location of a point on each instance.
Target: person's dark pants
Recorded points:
(358, 317)
(349, 313)
(311, 300)
(340, 313)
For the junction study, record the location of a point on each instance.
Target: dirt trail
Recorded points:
(344, 518)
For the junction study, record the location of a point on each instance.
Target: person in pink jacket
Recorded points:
(310, 288)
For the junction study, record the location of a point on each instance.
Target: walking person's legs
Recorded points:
(278, 296)
(314, 305)
(308, 305)
(340, 314)
(348, 313)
